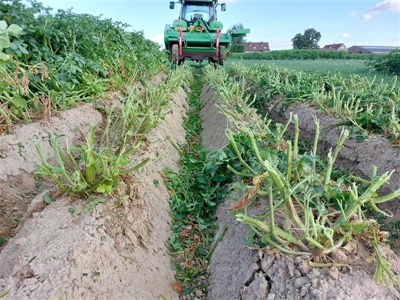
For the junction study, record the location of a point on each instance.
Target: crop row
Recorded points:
(303, 54)
(365, 104)
(54, 60)
(322, 209)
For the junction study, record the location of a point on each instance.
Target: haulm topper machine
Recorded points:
(197, 33)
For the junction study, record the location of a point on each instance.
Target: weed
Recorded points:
(195, 192)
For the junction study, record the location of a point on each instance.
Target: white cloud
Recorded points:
(353, 13)
(367, 17)
(345, 35)
(386, 6)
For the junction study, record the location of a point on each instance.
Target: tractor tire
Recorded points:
(222, 55)
(175, 54)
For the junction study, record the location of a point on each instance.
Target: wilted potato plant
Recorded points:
(97, 165)
(310, 211)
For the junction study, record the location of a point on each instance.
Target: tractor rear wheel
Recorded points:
(222, 55)
(175, 54)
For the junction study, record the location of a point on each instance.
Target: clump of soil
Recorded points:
(118, 250)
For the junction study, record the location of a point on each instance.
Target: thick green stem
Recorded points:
(296, 138)
(315, 146)
(289, 166)
(267, 228)
(235, 148)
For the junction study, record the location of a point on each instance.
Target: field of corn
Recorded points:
(90, 177)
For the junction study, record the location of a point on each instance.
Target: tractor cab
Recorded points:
(191, 12)
(197, 33)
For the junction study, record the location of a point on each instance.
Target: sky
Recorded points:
(357, 22)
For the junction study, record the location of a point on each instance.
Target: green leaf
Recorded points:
(102, 188)
(264, 154)
(3, 25)
(4, 42)
(109, 189)
(202, 251)
(203, 226)
(3, 240)
(201, 179)
(19, 102)
(3, 56)
(56, 170)
(3, 293)
(318, 190)
(186, 291)
(71, 211)
(14, 29)
(47, 199)
(91, 204)
(23, 50)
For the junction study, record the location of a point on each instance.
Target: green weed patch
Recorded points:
(195, 190)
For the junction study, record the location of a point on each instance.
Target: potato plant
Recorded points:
(66, 58)
(321, 212)
(96, 166)
(357, 101)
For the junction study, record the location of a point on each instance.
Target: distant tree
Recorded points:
(238, 40)
(238, 48)
(308, 40)
(389, 63)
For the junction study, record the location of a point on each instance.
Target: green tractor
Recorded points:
(197, 33)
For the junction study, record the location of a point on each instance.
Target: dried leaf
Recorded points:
(183, 234)
(176, 287)
(238, 205)
(350, 248)
(369, 260)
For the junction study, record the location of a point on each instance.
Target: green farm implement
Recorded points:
(197, 33)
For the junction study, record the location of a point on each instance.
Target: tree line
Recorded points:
(308, 40)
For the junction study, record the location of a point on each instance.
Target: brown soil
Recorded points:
(118, 250)
(243, 271)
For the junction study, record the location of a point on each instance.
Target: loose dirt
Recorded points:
(239, 270)
(116, 251)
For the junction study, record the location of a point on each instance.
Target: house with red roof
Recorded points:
(257, 47)
(335, 47)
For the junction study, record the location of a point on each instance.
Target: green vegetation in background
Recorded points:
(389, 64)
(364, 105)
(308, 40)
(346, 68)
(304, 54)
(66, 58)
(238, 48)
(382, 63)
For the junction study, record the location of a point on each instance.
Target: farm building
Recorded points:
(372, 49)
(257, 47)
(335, 47)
